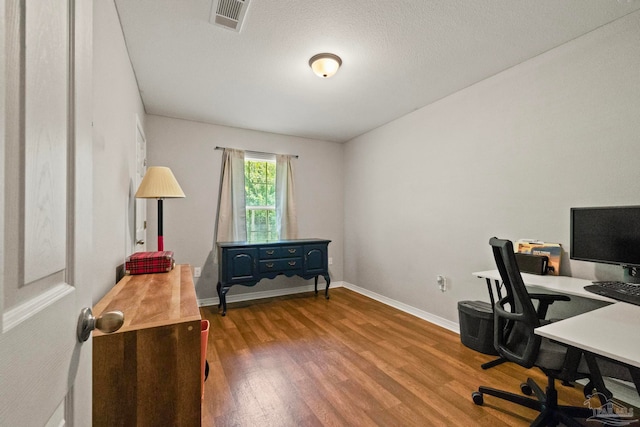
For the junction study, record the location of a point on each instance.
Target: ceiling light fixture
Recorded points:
(325, 65)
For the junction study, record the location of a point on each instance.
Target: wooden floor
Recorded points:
(349, 361)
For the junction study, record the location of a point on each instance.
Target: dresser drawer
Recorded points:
(270, 252)
(274, 252)
(290, 251)
(277, 265)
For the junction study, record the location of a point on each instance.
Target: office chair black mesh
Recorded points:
(514, 339)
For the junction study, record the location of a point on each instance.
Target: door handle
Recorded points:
(109, 322)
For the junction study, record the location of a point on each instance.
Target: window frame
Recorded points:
(271, 234)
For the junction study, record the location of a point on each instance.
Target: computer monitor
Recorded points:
(608, 235)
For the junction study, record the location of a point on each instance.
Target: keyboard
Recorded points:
(621, 291)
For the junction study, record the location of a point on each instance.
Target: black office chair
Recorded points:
(544, 302)
(514, 339)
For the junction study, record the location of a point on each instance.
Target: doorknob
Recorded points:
(107, 323)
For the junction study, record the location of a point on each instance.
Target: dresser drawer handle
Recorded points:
(270, 252)
(270, 265)
(292, 251)
(292, 263)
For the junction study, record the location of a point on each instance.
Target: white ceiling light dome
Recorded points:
(325, 65)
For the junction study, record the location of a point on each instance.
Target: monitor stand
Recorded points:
(632, 274)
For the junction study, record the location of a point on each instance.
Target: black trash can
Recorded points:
(476, 326)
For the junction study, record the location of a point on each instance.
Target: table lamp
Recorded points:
(159, 183)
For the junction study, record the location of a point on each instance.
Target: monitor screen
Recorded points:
(606, 234)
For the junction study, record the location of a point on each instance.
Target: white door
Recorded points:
(141, 204)
(45, 211)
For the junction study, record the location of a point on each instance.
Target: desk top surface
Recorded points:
(150, 300)
(560, 284)
(610, 331)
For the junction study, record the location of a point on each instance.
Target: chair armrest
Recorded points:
(550, 297)
(545, 300)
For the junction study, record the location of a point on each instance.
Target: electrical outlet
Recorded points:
(197, 272)
(442, 282)
(330, 261)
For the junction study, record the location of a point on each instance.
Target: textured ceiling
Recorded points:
(398, 55)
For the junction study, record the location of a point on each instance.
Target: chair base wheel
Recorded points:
(477, 397)
(526, 389)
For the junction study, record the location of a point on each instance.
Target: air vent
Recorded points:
(229, 13)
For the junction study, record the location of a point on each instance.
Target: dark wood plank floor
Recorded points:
(349, 361)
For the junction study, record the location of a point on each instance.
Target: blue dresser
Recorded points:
(243, 263)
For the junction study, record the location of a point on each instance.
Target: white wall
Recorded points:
(506, 157)
(117, 102)
(188, 148)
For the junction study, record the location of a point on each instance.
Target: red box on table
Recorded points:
(149, 262)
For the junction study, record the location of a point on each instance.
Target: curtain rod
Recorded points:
(258, 152)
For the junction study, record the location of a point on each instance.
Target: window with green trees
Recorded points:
(260, 194)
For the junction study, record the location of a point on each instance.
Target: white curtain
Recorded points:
(285, 205)
(232, 224)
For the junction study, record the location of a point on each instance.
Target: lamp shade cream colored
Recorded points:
(159, 183)
(325, 65)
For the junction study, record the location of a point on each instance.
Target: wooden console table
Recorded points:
(243, 263)
(148, 373)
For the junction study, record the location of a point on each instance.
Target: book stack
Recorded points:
(149, 262)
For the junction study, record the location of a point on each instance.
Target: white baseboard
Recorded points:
(437, 320)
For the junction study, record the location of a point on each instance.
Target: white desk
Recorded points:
(611, 331)
(560, 284)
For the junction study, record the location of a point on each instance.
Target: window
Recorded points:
(256, 200)
(260, 193)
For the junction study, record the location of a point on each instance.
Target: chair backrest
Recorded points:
(514, 338)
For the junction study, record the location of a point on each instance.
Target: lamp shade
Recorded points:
(159, 183)
(325, 65)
